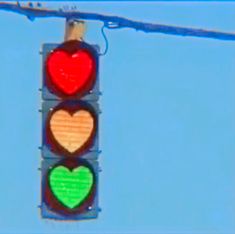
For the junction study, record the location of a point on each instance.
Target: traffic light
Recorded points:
(70, 114)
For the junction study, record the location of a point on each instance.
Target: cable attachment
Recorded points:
(111, 25)
(74, 29)
(105, 38)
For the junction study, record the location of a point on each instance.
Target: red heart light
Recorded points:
(71, 69)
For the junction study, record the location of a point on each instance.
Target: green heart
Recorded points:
(71, 187)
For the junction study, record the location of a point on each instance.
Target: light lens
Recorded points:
(71, 131)
(71, 187)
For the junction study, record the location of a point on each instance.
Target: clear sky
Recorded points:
(167, 129)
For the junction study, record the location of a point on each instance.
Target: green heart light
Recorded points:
(71, 187)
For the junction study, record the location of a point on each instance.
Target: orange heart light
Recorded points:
(71, 131)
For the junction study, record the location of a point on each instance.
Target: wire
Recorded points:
(117, 22)
(106, 40)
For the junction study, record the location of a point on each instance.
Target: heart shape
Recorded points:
(72, 131)
(71, 187)
(70, 73)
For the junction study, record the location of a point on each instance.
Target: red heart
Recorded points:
(70, 72)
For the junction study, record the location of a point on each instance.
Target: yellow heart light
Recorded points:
(71, 131)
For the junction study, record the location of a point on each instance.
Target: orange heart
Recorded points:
(72, 131)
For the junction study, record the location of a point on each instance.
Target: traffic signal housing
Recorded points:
(70, 126)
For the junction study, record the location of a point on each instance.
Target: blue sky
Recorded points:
(167, 128)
